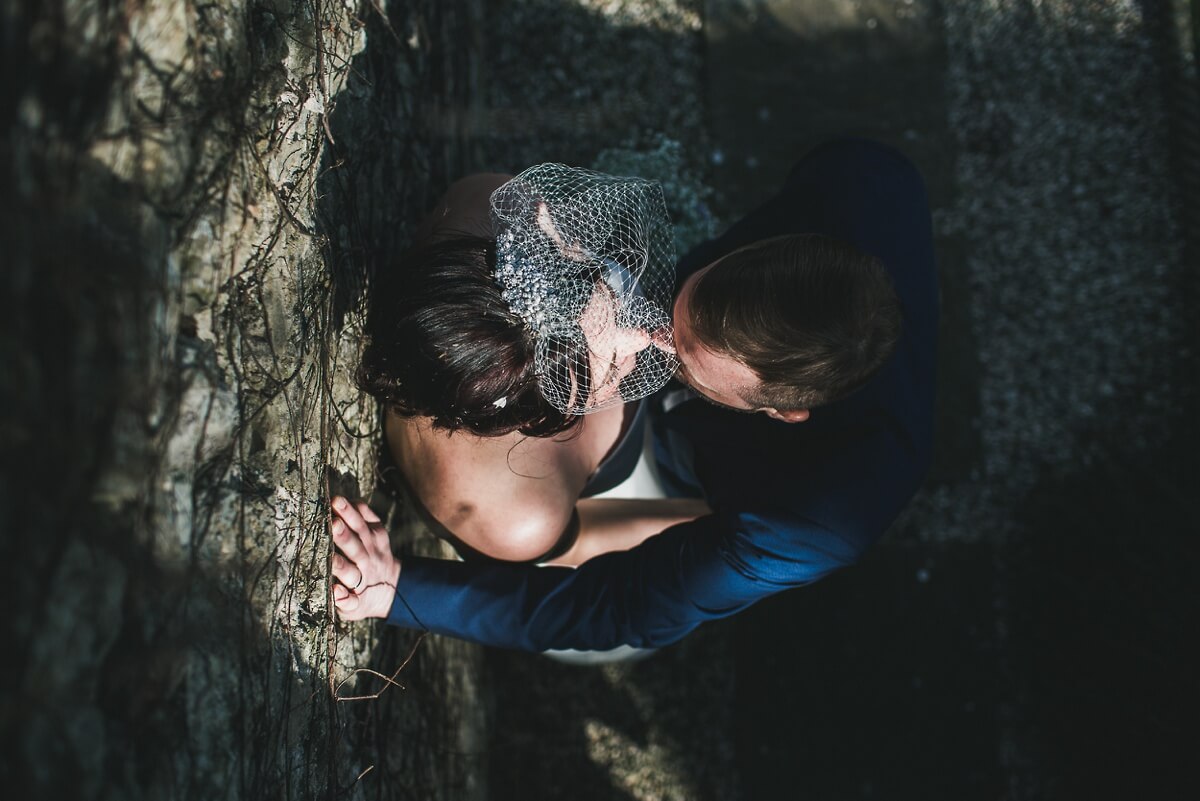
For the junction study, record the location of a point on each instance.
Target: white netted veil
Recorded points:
(587, 261)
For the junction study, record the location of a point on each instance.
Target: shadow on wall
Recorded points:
(388, 162)
(76, 355)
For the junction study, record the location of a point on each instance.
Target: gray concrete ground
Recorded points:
(1020, 633)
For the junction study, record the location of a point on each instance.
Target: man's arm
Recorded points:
(649, 596)
(797, 532)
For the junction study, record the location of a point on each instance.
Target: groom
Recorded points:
(805, 461)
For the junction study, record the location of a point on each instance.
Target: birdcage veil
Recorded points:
(587, 261)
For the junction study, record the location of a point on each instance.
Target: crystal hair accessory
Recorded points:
(587, 261)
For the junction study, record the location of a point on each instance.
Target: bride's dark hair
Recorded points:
(443, 343)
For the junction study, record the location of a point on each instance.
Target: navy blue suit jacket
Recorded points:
(792, 501)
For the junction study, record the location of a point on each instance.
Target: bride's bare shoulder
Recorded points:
(510, 497)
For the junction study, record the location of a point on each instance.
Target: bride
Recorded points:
(511, 349)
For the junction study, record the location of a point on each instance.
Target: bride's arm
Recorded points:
(618, 524)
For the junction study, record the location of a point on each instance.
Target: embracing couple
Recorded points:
(785, 368)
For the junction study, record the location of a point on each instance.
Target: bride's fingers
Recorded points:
(347, 572)
(367, 513)
(347, 541)
(381, 539)
(340, 593)
(347, 606)
(349, 513)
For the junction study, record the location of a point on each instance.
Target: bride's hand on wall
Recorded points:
(364, 565)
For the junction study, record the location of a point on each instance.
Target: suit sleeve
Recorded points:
(650, 596)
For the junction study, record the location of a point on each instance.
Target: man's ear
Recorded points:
(787, 415)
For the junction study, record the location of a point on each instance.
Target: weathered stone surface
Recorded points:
(178, 395)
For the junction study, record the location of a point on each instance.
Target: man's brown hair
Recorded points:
(813, 317)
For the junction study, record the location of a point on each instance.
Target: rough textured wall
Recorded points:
(176, 402)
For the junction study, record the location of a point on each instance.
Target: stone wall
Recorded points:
(177, 401)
